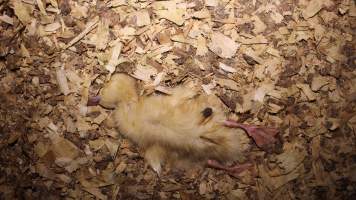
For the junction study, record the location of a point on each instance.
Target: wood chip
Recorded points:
(114, 58)
(101, 37)
(259, 26)
(41, 6)
(7, 19)
(313, 8)
(293, 156)
(52, 27)
(142, 18)
(62, 81)
(228, 83)
(202, 14)
(174, 15)
(89, 27)
(318, 82)
(227, 68)
(274, 183)
(63, 148)
(202, 48)
(22, 12)
(222, 45)
(307, 91)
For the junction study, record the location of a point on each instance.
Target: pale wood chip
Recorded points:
(144, 73)
(274, 183)
(164, 90)
(142, 18)
(318, 82)
(101, 37)
(41, 6)
(352, 11)
(114, 58)
(259, 26)
(24, 51)
(208, 88)
(62, 81)
(79, 11)
(212, 3)
(89, 27)
(291, 158)
(7, 19)
(202, 48)
(117, 3)
(63, 148)
(307, 91)
(174, 15)
(222, 45)
(228, 83)
(253, 54)
(22, 12)
(52, 27)
(313, 8)
(112, 146)
(227, 68)
(159, 78)
(201, 14)
(261, 92)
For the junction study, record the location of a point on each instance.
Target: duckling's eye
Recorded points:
(207, 112)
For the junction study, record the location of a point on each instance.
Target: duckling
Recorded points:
(185, 124)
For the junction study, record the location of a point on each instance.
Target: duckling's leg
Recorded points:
(263, 136)
(234, 170)
(155, 156)
(93, 101)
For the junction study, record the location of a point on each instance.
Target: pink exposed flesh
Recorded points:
(263, 136)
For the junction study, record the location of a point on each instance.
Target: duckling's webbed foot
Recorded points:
(234, 170)
(264, 137)
(155, 156)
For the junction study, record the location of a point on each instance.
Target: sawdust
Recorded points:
(288, 64)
